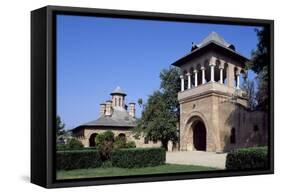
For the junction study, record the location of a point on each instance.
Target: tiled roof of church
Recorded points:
(119, 118)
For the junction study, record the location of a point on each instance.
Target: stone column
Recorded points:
(212, 72)
(203, 75)
(182, 83)
(238, 80)
(230, 75)
(188, 80)
(195, 78)
(245, 76)
(221, 75)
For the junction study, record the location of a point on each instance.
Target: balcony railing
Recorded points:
(211, 87)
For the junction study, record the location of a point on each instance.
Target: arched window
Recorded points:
(207, 71)
(199, 74)
(232, 136)
(119, 101)
(225, 73)
(217, 70)
(191, 70)
(122, 136)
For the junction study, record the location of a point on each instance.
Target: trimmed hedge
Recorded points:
(247, 158)
(78, 159)
(63, 147)
(138, 157)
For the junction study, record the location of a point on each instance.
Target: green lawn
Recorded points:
(113, 171)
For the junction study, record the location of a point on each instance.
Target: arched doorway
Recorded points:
(92, 140)
(122, 136)
(199, 136)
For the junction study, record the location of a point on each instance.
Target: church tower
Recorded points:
(211, 99)
(118, 98)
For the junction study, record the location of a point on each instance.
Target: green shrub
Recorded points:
(130, 144)
(85, 148)
(77, 159)
(105, 136)
(138, 157)
(105, 144)
(120, 142)
(106, 164)
(105, 150)
(74, 144)
(247, 158)
(64, 147)
(61, 147)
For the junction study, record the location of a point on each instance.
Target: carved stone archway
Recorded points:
(199, 135)
(195, 131)
(92, 140)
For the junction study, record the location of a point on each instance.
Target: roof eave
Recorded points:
(185, 58)
(113, 126)
(120, 93)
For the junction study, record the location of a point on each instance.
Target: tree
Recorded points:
(59, 126)
(160, 114)
(170, 85)
(105, 144)
(157, 122)
(249, 87)
(121, 142)
(140, 102)
(259, 64)
(260, 56)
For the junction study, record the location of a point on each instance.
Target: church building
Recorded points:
(116, 116)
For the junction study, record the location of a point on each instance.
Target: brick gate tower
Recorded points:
(214, 114)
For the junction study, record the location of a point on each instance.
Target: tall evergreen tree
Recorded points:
(59, 126)
(259, 64)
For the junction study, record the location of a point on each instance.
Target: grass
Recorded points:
(113, 171)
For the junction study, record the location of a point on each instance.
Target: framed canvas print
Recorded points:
(125, 96)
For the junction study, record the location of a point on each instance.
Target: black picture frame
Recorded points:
(43, 94)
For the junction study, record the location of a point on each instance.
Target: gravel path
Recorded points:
(200, 158)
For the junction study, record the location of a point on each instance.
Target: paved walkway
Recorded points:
(200, 158)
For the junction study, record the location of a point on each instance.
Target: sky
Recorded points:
(95, 55)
